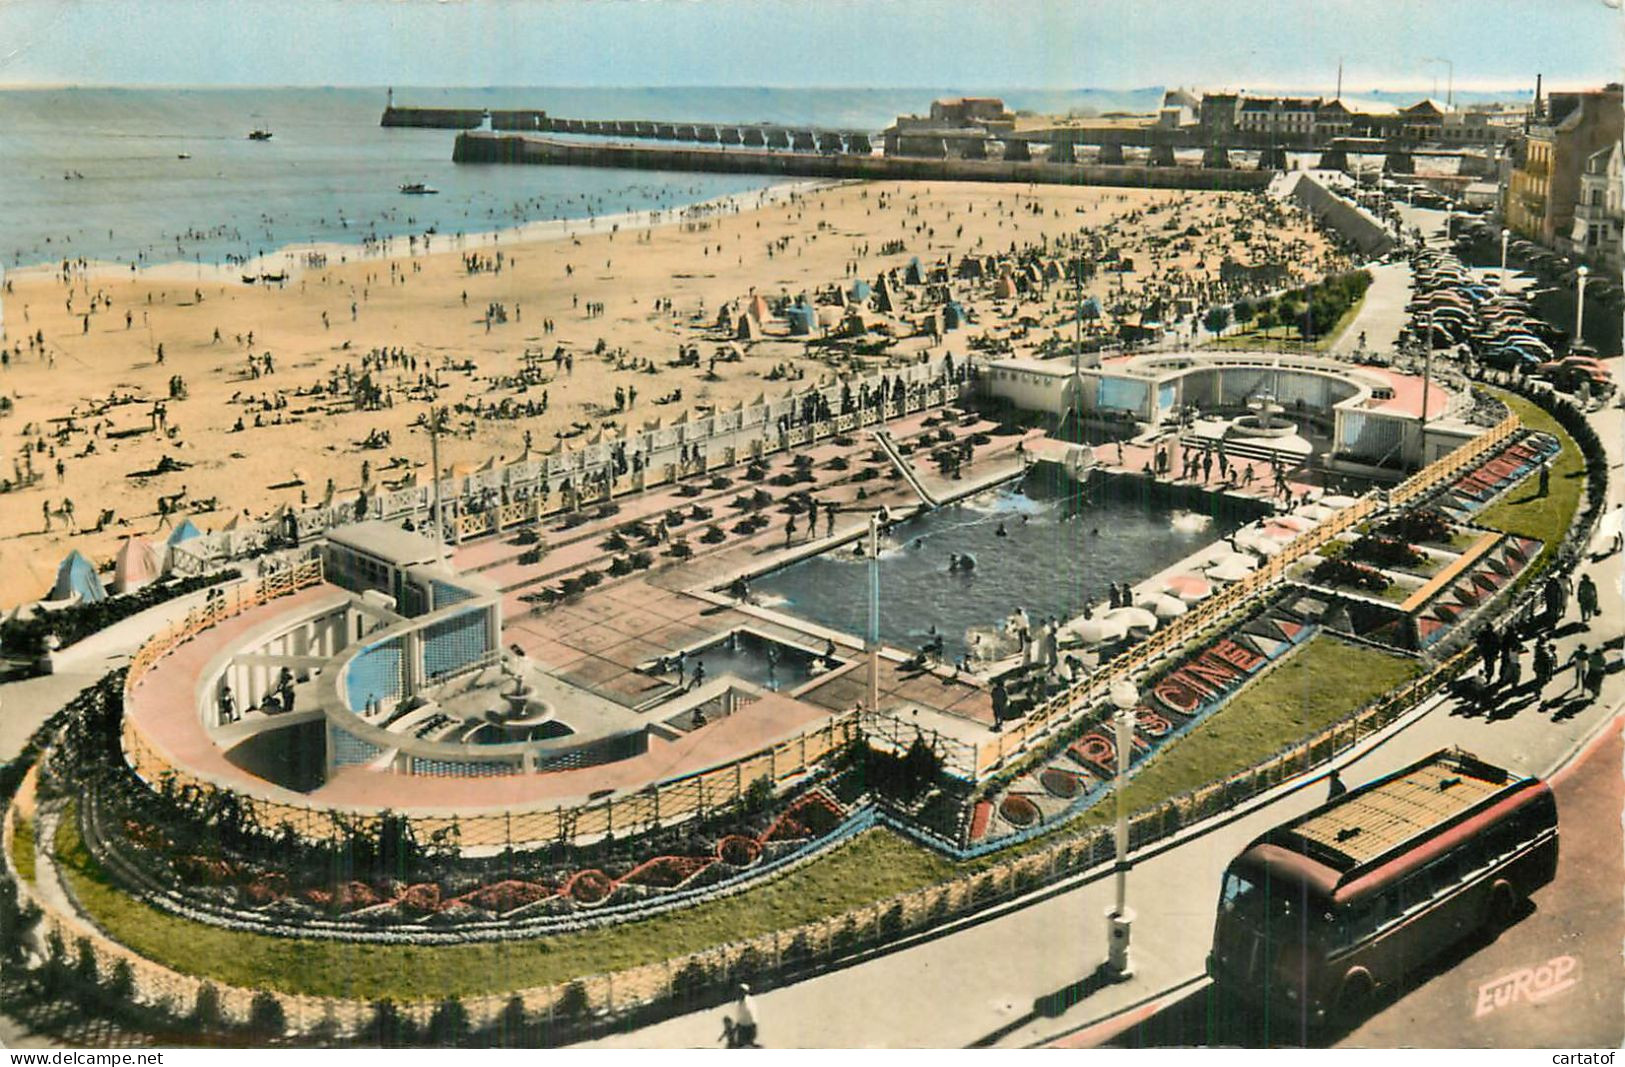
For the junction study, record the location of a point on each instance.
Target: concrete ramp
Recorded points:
(903, 466)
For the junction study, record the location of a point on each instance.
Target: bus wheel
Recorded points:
(1354, 999)
(1503, 907)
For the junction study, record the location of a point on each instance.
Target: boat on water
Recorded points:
(184, 155)
(261, 134)
(418, 189)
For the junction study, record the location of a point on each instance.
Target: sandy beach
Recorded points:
(604, 306)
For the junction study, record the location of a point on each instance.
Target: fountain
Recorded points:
(1263, 419)
(525, 712)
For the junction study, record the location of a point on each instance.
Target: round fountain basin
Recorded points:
(1261, 426)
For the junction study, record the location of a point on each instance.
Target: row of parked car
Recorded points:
(1453, 308)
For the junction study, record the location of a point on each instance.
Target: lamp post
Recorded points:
(1505, 236)
(1120, 919)
(876, 520)
(1580, 306)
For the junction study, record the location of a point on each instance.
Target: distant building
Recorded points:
(957, 127)
(1219, 113)
(1543, 185)
(1278, 116)
(1599, 213)
(970, 111)
(1179, 109)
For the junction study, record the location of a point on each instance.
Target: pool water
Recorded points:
(1059, 546)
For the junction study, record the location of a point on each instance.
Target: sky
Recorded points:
(1060, 44)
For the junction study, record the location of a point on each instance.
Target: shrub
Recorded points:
(266, 1019)
(206, 1013)
(511, 1024)
(573, 1002)
(1018, 811)
(1418, 525)
(1339, 571)
(449, 1023)
(1386, 551)
(387, 1027)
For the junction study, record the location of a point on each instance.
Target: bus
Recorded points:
(1319, 914)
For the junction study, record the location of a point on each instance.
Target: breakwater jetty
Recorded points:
(492, 147)
(463, 118)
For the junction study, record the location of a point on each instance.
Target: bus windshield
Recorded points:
(1252, 898)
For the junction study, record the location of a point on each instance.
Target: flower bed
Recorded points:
(1387, 551)
(1059, 783)
(666, 872)
(737, 850)
(503, 897)
(591, 886)
(1343, 572)
(1419, 525)
(421, 899)
(1018, 811)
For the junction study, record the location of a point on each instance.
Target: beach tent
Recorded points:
(914, 274)
(184, 532)
(1005, 287)
(1090, 308)
(969, 267)
(829, 316)
(953, 315)
(725, 317)
(860, 290)
(749, 328)
(803, 320)
(757, 308)
(856, 323)
(883, 299)
(76, 577)
(136, 564)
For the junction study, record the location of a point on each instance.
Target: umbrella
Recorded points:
(1314, 512)
(1134, 618)
(1297, 522)
(1336, 501)
(1230, 571)
(1096, 631)
(1169, 607)
(1235, 559)
(1188, 587)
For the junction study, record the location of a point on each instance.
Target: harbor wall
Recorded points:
(1352, 221)
(462, 118)
(485, 147)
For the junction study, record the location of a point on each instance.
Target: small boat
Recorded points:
(259, 135)
(418, 189)
(184, 155)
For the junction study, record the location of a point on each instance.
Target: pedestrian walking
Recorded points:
(1578, 661)
(1596, 670)
(1545, 662)
(1556, 595)
(1545, 478)
(1489, 646)
(745, 1024)
(1586, 594)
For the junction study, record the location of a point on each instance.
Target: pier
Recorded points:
(492, 147)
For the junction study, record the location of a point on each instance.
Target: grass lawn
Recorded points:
(22, 849)
(1322, 682)
(1521, 511)
(1286, 338)
(876, 865)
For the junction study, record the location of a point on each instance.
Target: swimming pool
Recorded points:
(1057, 547)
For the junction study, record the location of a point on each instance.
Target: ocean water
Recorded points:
(96, 173)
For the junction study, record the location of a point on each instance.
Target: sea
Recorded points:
(163, 176)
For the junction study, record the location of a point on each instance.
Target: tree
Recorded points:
(1217, 319)
(1245, 310)
(206, 1013)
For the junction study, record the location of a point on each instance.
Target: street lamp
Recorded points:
(1580, 308)
(1505, 235)
(1120, 919)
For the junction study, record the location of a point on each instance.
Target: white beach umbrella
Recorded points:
(1188, 587)
(1134, 618)
(1235, 560)
(1229, 571)
(1315, 512)
(1169, 607)
(1097, 630)
(1336, 501)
